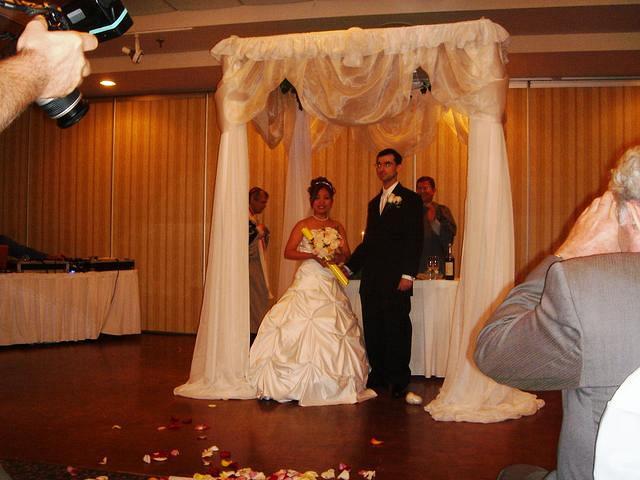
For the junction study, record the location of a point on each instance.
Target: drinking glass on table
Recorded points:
(433, 268)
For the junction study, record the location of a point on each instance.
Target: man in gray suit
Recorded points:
(574, 323)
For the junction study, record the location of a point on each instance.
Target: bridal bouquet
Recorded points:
(325, 242)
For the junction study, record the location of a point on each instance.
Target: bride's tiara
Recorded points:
(322, 182)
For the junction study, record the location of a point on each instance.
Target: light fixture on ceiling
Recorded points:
(107, 83)
(136, 53)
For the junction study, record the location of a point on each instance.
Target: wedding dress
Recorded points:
(309, 346)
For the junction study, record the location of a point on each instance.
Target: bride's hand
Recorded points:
(339, 256)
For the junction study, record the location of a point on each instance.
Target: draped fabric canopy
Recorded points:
(362, 79)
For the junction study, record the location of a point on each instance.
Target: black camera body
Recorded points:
(106, 19)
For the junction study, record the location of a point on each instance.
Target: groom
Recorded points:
(388, 257)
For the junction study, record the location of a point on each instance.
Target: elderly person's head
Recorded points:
(625, 186)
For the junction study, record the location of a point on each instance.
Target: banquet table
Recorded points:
(57, 307)
(431, 319)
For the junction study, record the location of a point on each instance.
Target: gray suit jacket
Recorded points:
(572, 325)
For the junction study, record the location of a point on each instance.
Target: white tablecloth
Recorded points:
(431, 318)
(56, 307)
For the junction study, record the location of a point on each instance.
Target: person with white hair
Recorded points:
(574, 323)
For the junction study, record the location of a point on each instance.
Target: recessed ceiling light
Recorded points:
(107, 83)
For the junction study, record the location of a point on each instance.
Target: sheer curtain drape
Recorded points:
(296, 202)
(361, 79)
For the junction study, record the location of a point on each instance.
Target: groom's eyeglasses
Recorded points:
(383, 164)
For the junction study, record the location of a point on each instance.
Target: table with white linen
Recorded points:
(431, 319)
(57, 307)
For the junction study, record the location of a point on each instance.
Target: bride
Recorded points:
(309, 346)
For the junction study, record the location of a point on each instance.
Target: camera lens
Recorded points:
(67, 110)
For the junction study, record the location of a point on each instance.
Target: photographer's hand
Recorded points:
(57, 56)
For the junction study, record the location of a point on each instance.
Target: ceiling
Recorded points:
(550, 39)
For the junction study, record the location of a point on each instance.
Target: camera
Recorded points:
(106, 19)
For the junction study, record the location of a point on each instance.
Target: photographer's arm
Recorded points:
(47, 65)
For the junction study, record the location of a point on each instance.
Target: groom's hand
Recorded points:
(405, 284)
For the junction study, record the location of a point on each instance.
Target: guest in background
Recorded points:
(259, 293)
(439, 226)
(572, 325)
(47, 65)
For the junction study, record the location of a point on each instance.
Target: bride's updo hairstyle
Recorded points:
(318, 184)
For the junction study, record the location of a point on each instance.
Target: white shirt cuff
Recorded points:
(408, 277)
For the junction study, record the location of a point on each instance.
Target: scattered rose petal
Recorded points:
(146, 459)
(175, 452)
(73, 471)
(212, 405)
(225, 454)
(201, 427)
(308, 475)
(201, 437)
(208, 452)
(374, 441)
(174, 419)
(102, 477)
(116, 427)
(160, 456)
(413, 399)
(368, 474)
(187, 421)
(344, 475)
(206, 463)
(174, 426)
(225, 462)
(213, 471)
(103, 461)
(331, 473)
(162, 427)
(344, 466)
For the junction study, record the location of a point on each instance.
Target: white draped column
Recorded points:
(486, 275)
(296, 202)
(221, 355)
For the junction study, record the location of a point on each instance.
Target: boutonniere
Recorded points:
(394, 200)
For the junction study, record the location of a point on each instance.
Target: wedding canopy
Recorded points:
(362, 78)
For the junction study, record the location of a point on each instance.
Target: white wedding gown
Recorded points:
(309, 346)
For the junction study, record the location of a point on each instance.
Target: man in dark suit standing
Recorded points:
(388, 257)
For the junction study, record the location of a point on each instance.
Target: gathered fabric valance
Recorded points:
(360, 77)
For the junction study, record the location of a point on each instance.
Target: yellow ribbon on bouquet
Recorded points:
(335, 269)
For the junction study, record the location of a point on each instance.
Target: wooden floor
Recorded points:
(58, 404)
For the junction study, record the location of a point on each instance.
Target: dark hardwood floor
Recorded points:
(58, 404)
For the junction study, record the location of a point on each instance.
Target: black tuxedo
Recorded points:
(391, 248)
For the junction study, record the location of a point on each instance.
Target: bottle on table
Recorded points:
(449, 265)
